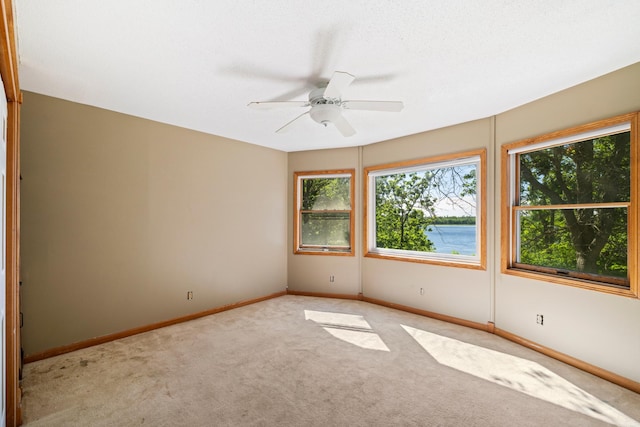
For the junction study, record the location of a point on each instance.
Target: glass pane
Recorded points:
(326, 194)
(590, 241)
(592, 171)
(428, 211)
(325, 229)
(456, 239)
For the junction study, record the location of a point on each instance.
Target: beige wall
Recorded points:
(310, 273)
(597, 328)
(594, 327)
(467, 294)
(458, 292)
(122, 216)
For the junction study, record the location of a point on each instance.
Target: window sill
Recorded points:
(444, 261)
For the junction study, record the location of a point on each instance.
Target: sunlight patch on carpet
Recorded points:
(518, 374)
(350, 328)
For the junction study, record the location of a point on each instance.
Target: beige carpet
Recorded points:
(303, 361)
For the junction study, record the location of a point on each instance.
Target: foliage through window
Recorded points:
(429, 210)
(324, 212)
(571, 205)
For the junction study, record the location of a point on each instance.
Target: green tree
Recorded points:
(587, 239)
(325, 193)
(401, 203)
(454, 220)
(325, 211)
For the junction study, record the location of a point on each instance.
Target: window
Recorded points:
(571, 215)
(428, 210)
(323, 218)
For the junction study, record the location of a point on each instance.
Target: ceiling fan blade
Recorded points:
(343, 126)
(288, 125)
(277, 104)
(337, 84)
(394, 106)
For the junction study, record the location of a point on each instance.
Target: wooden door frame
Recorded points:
(9, 72)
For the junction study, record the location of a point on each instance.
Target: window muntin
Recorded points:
(572, 204)
(407, 204)
(324, 212)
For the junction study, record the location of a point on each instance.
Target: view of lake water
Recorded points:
(450, 238)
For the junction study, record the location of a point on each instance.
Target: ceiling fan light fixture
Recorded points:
(325, 113)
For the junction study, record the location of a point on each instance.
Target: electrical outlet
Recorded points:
(421, 291)
(540, 319)
(189, 295)
(332, 279)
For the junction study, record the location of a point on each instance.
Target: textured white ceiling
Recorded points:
(198, 63)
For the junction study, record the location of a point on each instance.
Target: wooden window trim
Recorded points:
(322, 250)
(509, 211)
(482, 264)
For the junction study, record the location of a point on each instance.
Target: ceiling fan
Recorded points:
(326, 105)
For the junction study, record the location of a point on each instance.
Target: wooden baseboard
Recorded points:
(569, 360)
(118, 335)
(489, 327)
(450, 319)
(325, 295)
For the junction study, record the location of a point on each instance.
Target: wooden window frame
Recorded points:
(427, 257)
(510, 209)
(10, 79)
(297, 212)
